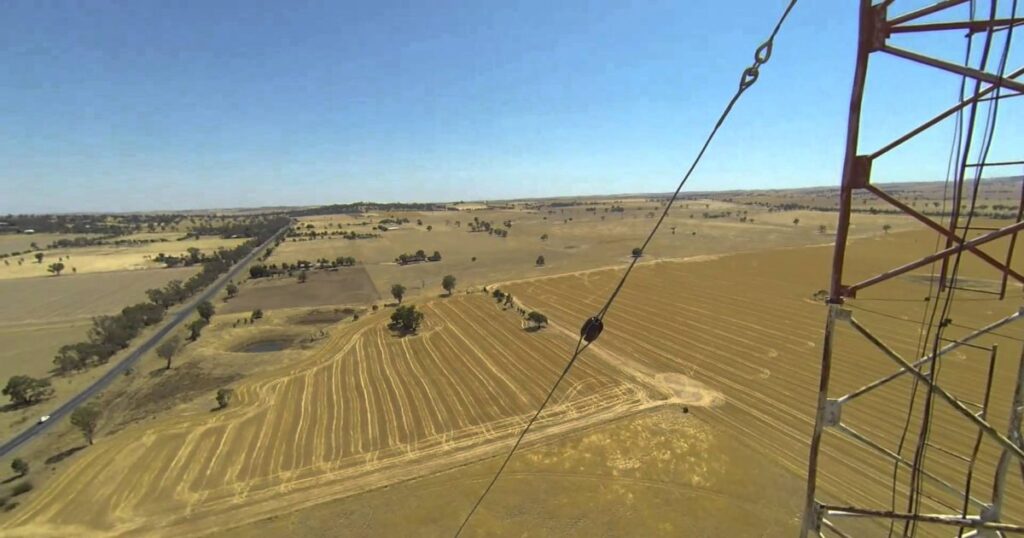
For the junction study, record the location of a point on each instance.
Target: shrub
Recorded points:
(22, 488)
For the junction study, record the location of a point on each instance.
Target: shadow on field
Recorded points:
(61, 456)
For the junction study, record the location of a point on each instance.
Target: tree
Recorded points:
(448, 283)
(25, 390)
(637, 252)
(224, 397)
(406, 319)
(39, 257)
(55, 268)
(398, 291)
(537, 319)
(205, 310)
(86, 418)
(19, 466)
(231, 289)
(256, 314)
(544, 237)
(168, 349)
(194, 254)
(302, 277)
(886, 228)
(429, 228)
(540, 261)
(196, 328)
(796, 222)
(822, 229)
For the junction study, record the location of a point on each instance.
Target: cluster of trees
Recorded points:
(406, 319)
(108, 335)
(112, 333)
(418, 256)
(534, 318)
(362, 207)
(26, 390)
(313, 234)
(265, 271)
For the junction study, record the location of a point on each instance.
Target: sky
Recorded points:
(143, 106)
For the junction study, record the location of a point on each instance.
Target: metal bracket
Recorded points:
(861, 176)
(876, 24)
(833, 412)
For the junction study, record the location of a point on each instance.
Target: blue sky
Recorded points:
(196, 104)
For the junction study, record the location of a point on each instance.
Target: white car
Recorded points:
(43, 419)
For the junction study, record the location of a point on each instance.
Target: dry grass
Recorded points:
(735, 336)
(105, 258)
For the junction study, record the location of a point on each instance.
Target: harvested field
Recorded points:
(573, 239)
(13, 242)
(78, 296)
(736, 338)
(367, 408)
(347, 285)
(107, 258)
(745, 325)
(660, 473)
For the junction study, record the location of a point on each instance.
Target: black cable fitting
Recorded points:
(592, 329)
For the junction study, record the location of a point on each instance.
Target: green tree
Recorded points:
(796, 222)
(886, 228)
(194, 254)
(822, 228)
(205, 310)
(86, 418)
(540, 261)
(544, 237)
(39, 257)
(224, 397)
(406, 319)
(25, 390)
(20, 466)
(637, 252)
(168, 349)
(398, 291)
(55, 268)
(196, 328)
(256, 314)
(231, 289)
(537, 319)
(448, 283)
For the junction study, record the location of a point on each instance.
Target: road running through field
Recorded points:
(140, 350)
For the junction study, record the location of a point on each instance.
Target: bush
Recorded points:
(22, 488)
(224, 397)
(19, 466)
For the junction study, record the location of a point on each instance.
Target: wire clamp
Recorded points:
(592, 329)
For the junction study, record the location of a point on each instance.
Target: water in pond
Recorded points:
(266, 346)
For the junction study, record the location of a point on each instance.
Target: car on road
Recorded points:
(43, 419)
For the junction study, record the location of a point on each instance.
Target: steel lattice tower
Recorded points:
(985, 85)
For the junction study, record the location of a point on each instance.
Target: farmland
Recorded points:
(569, 238)
(106, 258)
(700, 391)
(39, 315)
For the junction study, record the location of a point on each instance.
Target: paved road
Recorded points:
(101, 383)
